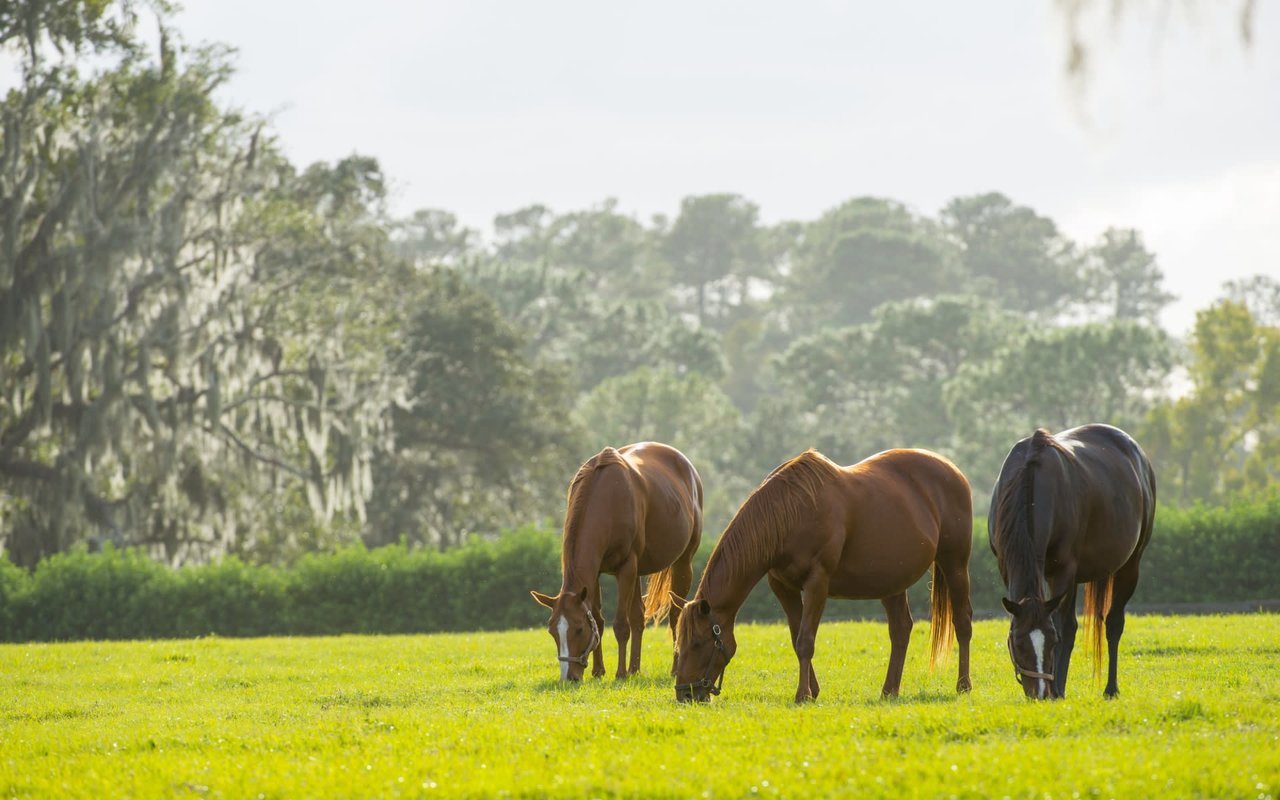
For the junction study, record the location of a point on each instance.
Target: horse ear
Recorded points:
(1009, 606)
(1052, 604)
(704, 607)
(582, 595)
(543, 599)
(677, 601)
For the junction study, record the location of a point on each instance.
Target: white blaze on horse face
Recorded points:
(1037, 643)
(562, 627)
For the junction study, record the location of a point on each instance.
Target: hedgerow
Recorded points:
(1197, 555)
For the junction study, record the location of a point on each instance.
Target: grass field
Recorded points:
(481, 715)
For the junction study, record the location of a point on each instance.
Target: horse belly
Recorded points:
(872, 573)
(662, 546)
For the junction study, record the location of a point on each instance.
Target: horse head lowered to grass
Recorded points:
(631, 511)
(1071, 508)
(816, 529)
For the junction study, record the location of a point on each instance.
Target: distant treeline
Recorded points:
(1197, 555)
(208, 350)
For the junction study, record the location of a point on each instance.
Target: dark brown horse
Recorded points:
(1071, 508)
(819, 530)
(631, 512)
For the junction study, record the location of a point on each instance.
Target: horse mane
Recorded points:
(1013, 508)
(787, 497)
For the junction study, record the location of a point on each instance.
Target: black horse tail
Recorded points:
(1097, 603)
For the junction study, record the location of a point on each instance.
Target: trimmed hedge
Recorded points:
(1197, 555)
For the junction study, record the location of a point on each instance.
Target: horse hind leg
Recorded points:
(954, 574)
(1126, 581)
(898, 611)
(792, 606)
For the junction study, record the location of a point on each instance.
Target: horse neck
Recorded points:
(726, 585)
(590, 528)
(1033, 527)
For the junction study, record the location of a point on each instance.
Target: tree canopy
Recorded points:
(207, 349)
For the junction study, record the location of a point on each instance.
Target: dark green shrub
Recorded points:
(1197, 555)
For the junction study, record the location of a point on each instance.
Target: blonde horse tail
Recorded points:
(657, 602)
(1097, 604)
(940, 633)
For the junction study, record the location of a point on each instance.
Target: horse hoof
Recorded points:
(964, 686)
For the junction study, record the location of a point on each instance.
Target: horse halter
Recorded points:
(595, 642)
(705, 682)
(1019, 670)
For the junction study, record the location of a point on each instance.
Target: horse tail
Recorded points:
(657, 603)
(1097, 603)
(940, 634)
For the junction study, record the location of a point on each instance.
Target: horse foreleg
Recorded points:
(681, 581)
(1067, 628)
(597, 654)
(792, 606)
(898, 611)
(813, 599)
(627, 579)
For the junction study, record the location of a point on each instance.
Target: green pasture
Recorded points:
(482, 715)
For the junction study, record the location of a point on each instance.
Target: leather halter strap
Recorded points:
(1019, 670)
(595, 641)
(705, 682)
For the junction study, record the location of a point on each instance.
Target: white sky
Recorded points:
(481, 107)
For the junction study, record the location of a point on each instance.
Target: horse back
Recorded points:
(1112, 485)
(901, 508)
(669, 502)
(918, 483)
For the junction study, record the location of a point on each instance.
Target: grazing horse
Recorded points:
(633, 511)
(1075, 507)
(820, 530)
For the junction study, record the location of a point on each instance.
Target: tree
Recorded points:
(859, 255)
(480, 438)
(432, 237)
(148, 393)
(713, 246)
(1260, 294)
(878, 385)
(1055, 378)
(1222, 436)
(1121, 277)
(1015, 255)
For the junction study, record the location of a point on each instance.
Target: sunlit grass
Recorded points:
(483, 715)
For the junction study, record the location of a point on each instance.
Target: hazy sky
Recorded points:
(483, 107)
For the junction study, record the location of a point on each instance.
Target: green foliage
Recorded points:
(1197, 555)
(1222, 437)
(1015, 254)
(206, 350)
(861, 254)
(483, 715)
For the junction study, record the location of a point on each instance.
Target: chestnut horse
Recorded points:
(633, 511)
(817, 529)
(1075, 507)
